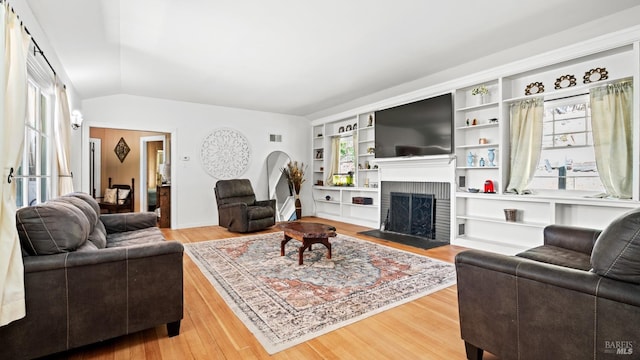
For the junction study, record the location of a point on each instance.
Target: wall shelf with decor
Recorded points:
(478, 132)
(339, 206)
(336, 203)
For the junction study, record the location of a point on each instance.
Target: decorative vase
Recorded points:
(491, 156)
(297, 187)
(470, 159)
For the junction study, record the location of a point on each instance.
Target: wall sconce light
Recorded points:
(76, 119)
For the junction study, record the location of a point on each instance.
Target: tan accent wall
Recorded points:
(122, 173)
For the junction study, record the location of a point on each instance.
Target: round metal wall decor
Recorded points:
(225, 154)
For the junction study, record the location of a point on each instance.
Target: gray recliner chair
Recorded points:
(238, 210)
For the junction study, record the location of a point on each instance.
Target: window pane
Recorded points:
(567, 159)
(347, 163)
(43, 114)
(33, 191)
(44, 188)
(31, 105)
(19, 191)
(44, 158)
(32, 152)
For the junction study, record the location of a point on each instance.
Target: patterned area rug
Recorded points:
(285, 304)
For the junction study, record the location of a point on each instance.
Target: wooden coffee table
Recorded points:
(308, 233)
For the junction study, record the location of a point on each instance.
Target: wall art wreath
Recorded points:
(225, 153)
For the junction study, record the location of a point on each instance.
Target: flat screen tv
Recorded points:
(419, 128)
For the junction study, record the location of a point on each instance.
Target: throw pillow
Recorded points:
(616, 252)
(110, 196)
(122, 195)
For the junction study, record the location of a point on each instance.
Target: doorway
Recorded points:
(152, 161)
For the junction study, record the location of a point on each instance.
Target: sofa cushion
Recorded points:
(135, 237)
(87, 210)
(99, 236)
(616, 253)
(558, 256)
(52, 227)
(87, 198)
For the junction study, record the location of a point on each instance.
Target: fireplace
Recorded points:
(412, 214)
(426, 184)
(433, 226)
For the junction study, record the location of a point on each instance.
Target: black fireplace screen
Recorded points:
(412, 214)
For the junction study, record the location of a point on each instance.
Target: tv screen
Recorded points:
(420, 128)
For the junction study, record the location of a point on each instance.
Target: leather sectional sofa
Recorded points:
(91, 277)
(575, 297)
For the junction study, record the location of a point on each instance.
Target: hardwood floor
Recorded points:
(426, 328)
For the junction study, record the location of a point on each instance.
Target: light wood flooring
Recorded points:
(426, 328)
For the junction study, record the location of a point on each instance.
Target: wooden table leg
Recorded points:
(283, 243)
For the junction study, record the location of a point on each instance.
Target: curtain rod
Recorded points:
(36, 49)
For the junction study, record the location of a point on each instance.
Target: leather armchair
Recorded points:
(575, 297)
(238, 210)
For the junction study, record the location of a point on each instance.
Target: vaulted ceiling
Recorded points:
(292, 57)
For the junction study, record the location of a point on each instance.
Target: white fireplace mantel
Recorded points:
(438, 168)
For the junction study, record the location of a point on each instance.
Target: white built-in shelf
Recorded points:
(502, 221)
(479, 126)
(473, 146)
(578, 89)
(360, 205)
(477, 167)
(479, 107)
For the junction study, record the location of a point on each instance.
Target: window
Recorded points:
(347, 152)
(567, 159)
(34, 174)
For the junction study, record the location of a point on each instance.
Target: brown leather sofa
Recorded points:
(575, 297)
(91, 277)
(238, 210)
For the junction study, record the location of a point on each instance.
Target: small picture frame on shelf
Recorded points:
(319, 154)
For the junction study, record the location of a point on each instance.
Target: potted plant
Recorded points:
(482, 91)
(294, 173)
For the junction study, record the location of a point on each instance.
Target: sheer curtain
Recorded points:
(335, 159)
(611, 120)
(526, 143)
(63, 138)
(13, 97)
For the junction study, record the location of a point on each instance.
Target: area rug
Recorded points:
(284, 304)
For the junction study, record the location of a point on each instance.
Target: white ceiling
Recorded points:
(292, 57)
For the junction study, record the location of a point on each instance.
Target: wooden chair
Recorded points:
(125, 204)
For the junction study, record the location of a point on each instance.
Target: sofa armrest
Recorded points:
(271, 203)
(571, 237)
(122, 222)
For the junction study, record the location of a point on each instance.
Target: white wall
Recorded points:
(193, 200)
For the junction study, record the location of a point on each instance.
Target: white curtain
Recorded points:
(12, 119)
(334, 164)
(611, 120)
(63, 140)
(526, 143)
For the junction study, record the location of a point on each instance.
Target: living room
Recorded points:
(125, 105)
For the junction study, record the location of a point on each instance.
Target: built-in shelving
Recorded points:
(477, 219)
